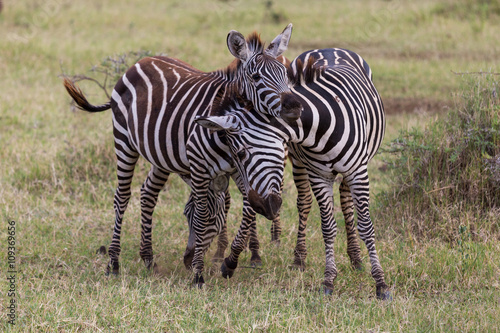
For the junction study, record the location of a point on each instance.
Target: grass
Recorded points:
(451, 169)
(57, 174)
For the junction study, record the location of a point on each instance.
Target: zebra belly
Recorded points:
(318, 164)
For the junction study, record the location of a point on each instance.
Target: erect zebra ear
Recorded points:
(280, 43)
(237, 45)
(217, 123)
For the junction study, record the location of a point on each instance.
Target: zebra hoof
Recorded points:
(113, 268)
(255, 261)
(298, 266)
(152, 267)
(327, 289)
(384, 294)
(101, 250)
(226, 271)
(149, 263)
(198, 281)
(358, 266)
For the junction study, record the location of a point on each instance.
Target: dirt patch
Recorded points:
(414, 105)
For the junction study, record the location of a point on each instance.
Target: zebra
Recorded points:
(339, 131)
(154, 105)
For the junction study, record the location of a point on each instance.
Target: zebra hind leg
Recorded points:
(360, 191)
(353, 249)
(149, 195)
(222, 240)
(323, 191)
(126, 160)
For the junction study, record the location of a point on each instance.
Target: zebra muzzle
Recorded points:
(268, 207)
(291, 108)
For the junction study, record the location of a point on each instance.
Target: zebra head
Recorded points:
(258, 151)
(262, 77)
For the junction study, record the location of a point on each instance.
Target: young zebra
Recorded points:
(340, 130)
(154, 105)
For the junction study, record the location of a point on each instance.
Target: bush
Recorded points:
(447, 176)
(111, 69)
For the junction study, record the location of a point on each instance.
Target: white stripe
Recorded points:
(134, 112)
(145, 128)
(161, 158)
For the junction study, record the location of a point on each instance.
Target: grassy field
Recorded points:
(57, 174)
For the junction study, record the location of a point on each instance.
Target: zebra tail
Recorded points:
(77, 94)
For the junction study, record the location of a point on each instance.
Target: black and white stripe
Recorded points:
(340, 129)
(154, 107)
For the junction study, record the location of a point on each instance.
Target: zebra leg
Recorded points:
(253, 243)
(126, 159)
(276, 231)
(353, 249)
(149, 195)
(222, 240)
(304, 203)
(208, 221)
(276, 224)
(239, 243)
(323, 191)
(360, 191)
(189, 213)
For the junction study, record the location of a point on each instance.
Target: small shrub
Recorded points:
(447, 176)
(111, 69)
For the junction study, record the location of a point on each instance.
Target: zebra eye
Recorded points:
(241, 154)
(256, 77)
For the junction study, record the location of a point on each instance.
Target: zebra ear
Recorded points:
(237, 45)
(280, 43)
(218, 123)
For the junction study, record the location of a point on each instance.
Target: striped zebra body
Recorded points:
(340, 129)
(154, 106)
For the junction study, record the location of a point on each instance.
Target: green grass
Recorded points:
(57, 174)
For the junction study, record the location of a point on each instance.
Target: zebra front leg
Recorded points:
(207, 223)
(149, 195)
(276, 231)
(189, 213)
(353, 249)
(253, 243)
(253, 239)
(323, 191)
(360, 191)
(304, 203)
(126, 160)
(276, 223)
(239, 243)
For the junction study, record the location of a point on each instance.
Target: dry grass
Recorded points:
(57, 175)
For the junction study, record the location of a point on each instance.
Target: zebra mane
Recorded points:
(305, 72)
(228, 98)
(255, 44)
